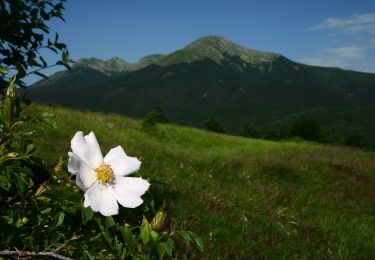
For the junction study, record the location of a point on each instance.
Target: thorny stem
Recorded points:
(74, 237)
(52, 254)
(29, 253)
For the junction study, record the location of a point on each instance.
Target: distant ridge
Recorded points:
(106, 67)
(214, 76)
(209, 47)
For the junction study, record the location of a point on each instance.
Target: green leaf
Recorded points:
(88, 255)
(65, 55)
(43, 61)
(60, 220)
(30, 148)
(105, 233)
(154, 235)
(4, 70)
(129, 239)
(45, 211)
(21, 221)
(196, 240)
(56, 37)
(145, 231)
(190, 237)
(59, 45)
(4, 182)
(52, 49)
(40, 74)
(109, 222)
(47, 119)
(87, 215)
(66, 65)
(165, 248)
(184, 236)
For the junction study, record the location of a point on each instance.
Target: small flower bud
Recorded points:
(158, 221)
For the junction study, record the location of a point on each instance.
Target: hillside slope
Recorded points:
(215, 77)
(246, 198)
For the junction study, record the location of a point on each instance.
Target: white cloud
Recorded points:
(347, 53)
(353, 57)
(355, 24)
(357, 52)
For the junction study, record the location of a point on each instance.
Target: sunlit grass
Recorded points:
(245, 198)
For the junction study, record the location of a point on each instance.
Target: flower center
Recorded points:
(104, 173)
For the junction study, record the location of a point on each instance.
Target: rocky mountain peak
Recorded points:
(218, 48)
(107, 67)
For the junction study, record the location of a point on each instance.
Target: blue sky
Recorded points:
(321, 32)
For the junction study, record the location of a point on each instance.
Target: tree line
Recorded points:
(308, 129)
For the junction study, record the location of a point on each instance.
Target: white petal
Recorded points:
(96, 154)
(81, 148)
(86, 175)
(79, 183)
(121, 163)
(74, 166)
(73, 163)
(128, 191)
(101, 198)
(87, 149)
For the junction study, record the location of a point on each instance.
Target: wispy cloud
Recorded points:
(353, 57)
(358, 43)
(355, 24)
(347, 52)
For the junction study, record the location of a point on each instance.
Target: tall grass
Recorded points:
(246, 198)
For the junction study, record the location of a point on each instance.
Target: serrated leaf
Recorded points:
(164, 248)
(145, 231)
(184, 236)
(196, 240)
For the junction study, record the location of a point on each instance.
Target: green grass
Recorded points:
(246, 198)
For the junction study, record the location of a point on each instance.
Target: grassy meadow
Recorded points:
(245, 198)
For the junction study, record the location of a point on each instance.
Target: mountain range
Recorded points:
(213, 76)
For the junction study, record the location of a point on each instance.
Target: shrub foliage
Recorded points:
(41, 209)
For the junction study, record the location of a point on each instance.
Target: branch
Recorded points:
(74, 237)
(28, 253)
(52, 254)
(42, 68)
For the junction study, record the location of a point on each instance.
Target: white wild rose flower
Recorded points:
(102, 179)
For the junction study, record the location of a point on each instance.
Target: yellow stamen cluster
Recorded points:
(104, 173)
